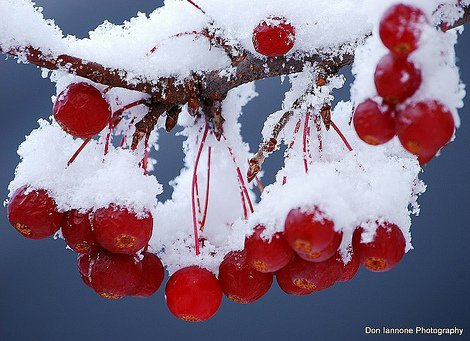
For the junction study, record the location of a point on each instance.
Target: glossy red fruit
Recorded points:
(84, 267)
(193, 294)
(424, 159)
(113, 275)
(239, 281)
(81, 110)
(274, 37)
(267, 255)
(396, 79)
(310, 233)
(33, 213)
(425, 127)
(384, 252)
(374, 124)
(349, 269)
(326, 253)
(300, 277)
(152, 275)
(401, 28)
(78, 233)
(122, 231)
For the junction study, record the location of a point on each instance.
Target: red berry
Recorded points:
(311, 234)
(349, 269)
(113, 275)
(425, 127)
(374, 124)
(384, 252)
(300, 277)
(34, 214)
(193, 294)
(78, 233)
(152, 275)
(267, 255)
(326, 253)
(239, 281)
(396, 79)
(84, 268)
(120, 231)
(423, 159)
(401, 28)
(274, 37)
(81, 110)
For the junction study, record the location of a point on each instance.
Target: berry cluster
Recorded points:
(106, 241)
(423, 127)
(311, 253)
(305, 258)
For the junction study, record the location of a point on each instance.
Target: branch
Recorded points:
(169, 92)
(270, 145)
(463, 20)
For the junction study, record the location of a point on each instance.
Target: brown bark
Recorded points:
(212, 86)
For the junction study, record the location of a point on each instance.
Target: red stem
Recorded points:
(193, 188)
(126, 107)
(124, 137)
(296, 130)
(240, 176)
(115, 119)
(74, 156)
(206, 204)
(245, 190)
(306, 140)
(177, 36)
(245, 209)
(195, 5)
(338, 131)
(108, 137)
(198, 201)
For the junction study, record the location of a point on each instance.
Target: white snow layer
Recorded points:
(354, 188)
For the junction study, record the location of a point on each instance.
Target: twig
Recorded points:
(193, 187)
(79, 150)
(338, 131)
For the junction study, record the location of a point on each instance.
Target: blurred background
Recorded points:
(43, 298)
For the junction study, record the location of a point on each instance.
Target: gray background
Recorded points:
(43, 298)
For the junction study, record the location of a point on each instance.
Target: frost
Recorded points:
(91, 182)
(357, 188)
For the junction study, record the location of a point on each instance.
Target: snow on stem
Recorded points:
(116, 118)
(124, 137)
(317, 122)
(259, 184)
(306, 140)
(241, 182)
(145, 159)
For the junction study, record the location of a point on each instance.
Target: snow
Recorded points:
(91, 181)
(358, 188)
